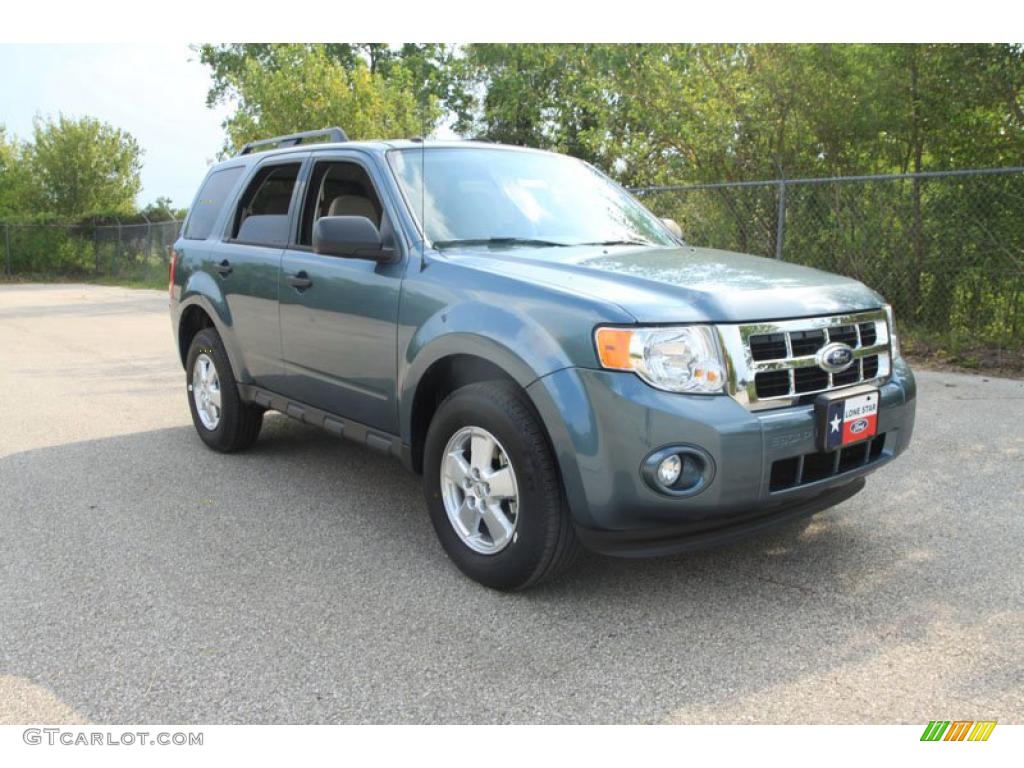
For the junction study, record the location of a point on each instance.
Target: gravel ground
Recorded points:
(144, 578)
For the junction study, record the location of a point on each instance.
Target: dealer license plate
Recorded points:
(846, 420)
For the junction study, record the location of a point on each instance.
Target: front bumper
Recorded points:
(604, 423)
(644, 542)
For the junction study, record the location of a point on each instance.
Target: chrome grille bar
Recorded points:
(742, 368)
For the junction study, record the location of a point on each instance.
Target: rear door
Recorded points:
(247, 261)
(339, 316)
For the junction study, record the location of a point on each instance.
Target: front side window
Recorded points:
(473, 194)
(338, 189)
(262, 214)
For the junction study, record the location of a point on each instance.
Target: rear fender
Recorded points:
(201, 290)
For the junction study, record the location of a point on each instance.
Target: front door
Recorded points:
(339, 316)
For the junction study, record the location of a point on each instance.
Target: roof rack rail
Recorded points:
(335, 134)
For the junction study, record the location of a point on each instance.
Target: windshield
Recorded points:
(477, 195)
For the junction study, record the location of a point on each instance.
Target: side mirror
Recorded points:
(674, 228)
(351, 237)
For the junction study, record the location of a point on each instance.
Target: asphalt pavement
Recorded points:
(146, 579)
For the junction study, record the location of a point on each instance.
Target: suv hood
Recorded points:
(681, 285)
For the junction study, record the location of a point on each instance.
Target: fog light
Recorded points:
(669, 470)
(678, 470)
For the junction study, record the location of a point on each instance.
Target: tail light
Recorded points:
(172, 268)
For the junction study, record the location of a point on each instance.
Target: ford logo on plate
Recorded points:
(835, 357)
(858, 426)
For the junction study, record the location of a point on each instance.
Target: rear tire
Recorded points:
(517, 533)
(224, 422)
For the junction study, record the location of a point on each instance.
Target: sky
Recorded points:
(156, 92)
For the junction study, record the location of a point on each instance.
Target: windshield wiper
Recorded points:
(441, 244)
(619, 242)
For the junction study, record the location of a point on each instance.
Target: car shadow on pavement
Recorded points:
(147, 579)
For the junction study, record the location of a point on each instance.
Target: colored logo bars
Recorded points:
(958, 730)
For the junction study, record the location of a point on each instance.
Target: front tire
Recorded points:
(493, 489)
(224, 422)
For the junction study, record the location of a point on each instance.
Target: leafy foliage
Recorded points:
(14, 178)
(701, 113)
(50, 250)
(666, 113)
(83, 167)
(162, 209)
(280, 89)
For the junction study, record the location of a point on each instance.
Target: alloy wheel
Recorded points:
(479, 490)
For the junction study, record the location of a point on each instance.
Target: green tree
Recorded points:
(15, 177)
(554, 96)
(675, 113)
(227, 63)
(162, 209)
(372, 90)
(83, 167)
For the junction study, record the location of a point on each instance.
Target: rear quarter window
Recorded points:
(210, 202)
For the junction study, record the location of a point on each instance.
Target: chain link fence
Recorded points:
(137, 251)
(946, 248)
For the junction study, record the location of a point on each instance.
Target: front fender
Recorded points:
(509, 340)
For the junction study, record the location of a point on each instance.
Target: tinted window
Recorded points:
(212, 196)
(263, 208)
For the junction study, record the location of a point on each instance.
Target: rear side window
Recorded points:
(262, 214)
(212, 196)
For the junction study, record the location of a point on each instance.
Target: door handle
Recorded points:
(224, 268)
(300, 280)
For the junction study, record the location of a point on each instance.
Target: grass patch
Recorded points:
(156, 282)
(955, 352)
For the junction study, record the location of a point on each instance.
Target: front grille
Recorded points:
(768, 346)
(773, 383)
(809, 380)
(812, 467)
(871, 367)
(847, 334)
(807, 342)
(814, 379)
(850, 376)
(867, 333)
(775, 363)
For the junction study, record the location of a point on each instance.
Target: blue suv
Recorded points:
(558, 365)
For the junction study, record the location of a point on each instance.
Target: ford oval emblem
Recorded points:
(858, 426)
(835, 357)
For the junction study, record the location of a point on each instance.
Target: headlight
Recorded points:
(894, 340)
(676, 359)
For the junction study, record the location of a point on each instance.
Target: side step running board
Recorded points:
(346, 428)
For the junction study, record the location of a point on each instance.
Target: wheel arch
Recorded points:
(199, 310)
(445, 374)
(194, 318)
(547, 397)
